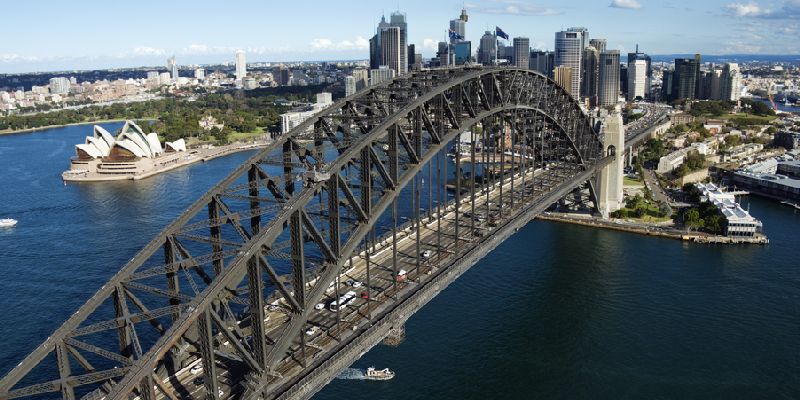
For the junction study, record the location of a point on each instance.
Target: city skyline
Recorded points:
(197, 35)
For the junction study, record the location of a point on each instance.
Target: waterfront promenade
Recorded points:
(146, 168)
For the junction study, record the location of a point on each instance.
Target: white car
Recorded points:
(311, 331)
(196, 369)
(427, 254)
(356, 284)
(220, 393)
(319, 306)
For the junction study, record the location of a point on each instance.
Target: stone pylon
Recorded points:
(610, 180)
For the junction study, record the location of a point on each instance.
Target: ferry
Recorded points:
(7, 222)
(378, 374)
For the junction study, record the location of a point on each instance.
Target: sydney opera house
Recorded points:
(129, 155)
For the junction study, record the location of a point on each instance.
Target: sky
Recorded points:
(56, 35)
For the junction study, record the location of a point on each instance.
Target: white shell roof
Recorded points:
(131, 138)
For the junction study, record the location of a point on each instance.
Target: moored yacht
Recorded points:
(7, 222)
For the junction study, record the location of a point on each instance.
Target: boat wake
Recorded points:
(351, 374)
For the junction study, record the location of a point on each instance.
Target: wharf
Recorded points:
(650, 229)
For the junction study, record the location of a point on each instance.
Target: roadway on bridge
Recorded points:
(332, 328)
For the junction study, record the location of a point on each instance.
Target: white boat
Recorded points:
(378, 374)
(7, 222)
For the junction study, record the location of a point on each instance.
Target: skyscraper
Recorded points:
(684, 79)
(608, 79)
(172, 67)
(375, 45)
(443, 54)
(487, 49)
(569, 50)
(591, 65)
(241, 66)
(349, 86)
(583, 33)
(458, 26)
(398, 20)
(731, 82)
(411, 50)
(649, 69)
(522, 52)
(599, 44)
(542, 62)
(637, 79)
(563, 77)
(697, 76)
(391, 54)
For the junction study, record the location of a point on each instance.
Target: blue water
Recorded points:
(557, 311)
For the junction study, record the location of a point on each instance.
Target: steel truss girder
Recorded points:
(443, 101)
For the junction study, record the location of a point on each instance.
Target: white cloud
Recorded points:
(148, 51)
(320, 44)
(13, 58)
(511, 7)
(629, 4)
(430, 44)
(751, 9)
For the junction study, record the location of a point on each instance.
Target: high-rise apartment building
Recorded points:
(241, 66)
(637, 79)
(568, 53)
(349, 86)
(488, 48)
(731, 82)
(59, 85)
(380, 75)
(608, 79)
(361, 77)
(522, 52)
(200, 74)
(398, 20)
(172, 67)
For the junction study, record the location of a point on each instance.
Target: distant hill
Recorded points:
(739, 58)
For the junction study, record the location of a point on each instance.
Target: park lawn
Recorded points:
(765, 119)
(626, 181)
(244, 136)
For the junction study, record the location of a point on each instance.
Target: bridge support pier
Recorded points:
(610, 182)
(396, 336)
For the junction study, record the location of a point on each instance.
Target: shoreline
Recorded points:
(648, 229)
(42, 128)
(201, 155)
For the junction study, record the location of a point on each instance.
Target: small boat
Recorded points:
(7, 222)
(790, 204)
(378, 374)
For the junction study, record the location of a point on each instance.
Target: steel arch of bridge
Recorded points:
(293, 216)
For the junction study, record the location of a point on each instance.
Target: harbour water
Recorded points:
(557, 311)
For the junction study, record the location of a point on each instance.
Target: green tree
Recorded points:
(713, 223)
(664, 210)
(693, 220)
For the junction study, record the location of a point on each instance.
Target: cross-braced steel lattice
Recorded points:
(289, 268)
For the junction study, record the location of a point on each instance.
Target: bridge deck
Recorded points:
(336, 330)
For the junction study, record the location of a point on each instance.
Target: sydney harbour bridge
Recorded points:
(323, 244)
